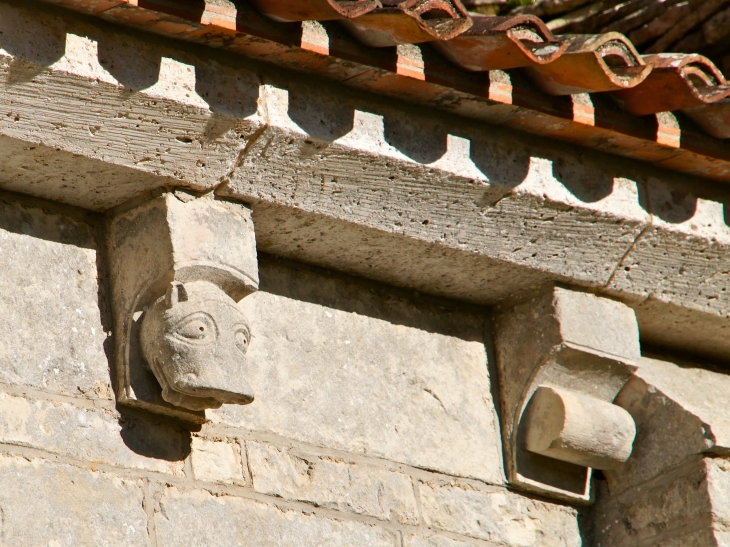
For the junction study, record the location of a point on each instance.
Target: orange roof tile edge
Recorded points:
(505, 98)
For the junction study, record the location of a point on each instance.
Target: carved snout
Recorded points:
(576, 428)
(194, 340)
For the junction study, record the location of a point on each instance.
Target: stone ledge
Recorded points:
(465, 216)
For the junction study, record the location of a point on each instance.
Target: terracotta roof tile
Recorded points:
(454, 74)
(502, 43)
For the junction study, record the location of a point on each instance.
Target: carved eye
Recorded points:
(198, 327)
(242, 338)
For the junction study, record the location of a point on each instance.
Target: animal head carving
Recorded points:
(194, 340)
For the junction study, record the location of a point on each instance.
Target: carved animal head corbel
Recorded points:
(179, 267)
(563, 357)
(194, 339)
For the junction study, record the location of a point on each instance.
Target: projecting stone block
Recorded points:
(579, 429)
(563, 357)
(334, 484)
(498, 516)
(178, 267)
(92, 436)
(378, 372)
(65, 505)
(216, 461)
(51, 331)
(199, 519)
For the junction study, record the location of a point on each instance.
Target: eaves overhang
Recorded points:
(418, 73)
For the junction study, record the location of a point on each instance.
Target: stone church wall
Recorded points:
(375, 420)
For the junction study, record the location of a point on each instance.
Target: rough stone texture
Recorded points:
(54, 505)
(92, 436)
(670, 492)
(486, 213)
(433, 541)
(198, 519)
(52, 331)
(498, 516)
(660, 512)
(216, 461)
(377, 372)
(678, 412)
(687, 506)
(331, 483)
(124, 129)
(681, 261)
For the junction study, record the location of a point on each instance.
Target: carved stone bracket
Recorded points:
(563, 357)
(179, 265)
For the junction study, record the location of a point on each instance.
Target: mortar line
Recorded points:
(311, 450)
(253, 139)
(46, 396)
(150, 511)
(215, 431)
(239, 492)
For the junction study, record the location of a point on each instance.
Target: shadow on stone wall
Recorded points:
(154, 437)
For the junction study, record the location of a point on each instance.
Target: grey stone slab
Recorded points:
(679, 412)
(434, 540)
(332, 483)
(196, 518)
(51, 330)
(54, 505)
(676, 510)
(379, 373)
(92, 436)
(498, 516)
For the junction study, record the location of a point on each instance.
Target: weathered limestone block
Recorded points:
(563, 356)
(379, 373)
(498, 516)
(92, 436)
(51, 330)
(673, 490)
(433, 541)
(341, 157)
(682, 262)
(124, 145)
(50, 504)
(679, 412)
(181, 339)
(216, 461)
(198, 519)
(673, 510)
(334, 484)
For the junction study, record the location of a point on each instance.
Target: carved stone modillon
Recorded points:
(179, 266)
(563, 357)
(194, 339)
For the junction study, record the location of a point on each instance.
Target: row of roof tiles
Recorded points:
(565, 65)
(606, 64)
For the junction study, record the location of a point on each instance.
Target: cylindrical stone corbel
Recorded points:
(577, 428)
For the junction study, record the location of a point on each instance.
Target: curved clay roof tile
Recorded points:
(592, 63)
(411, 22)
(501, 43)
(314, 10)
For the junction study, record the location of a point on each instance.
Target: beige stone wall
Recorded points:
(374, 423)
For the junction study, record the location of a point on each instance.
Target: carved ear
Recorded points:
(175, 293)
